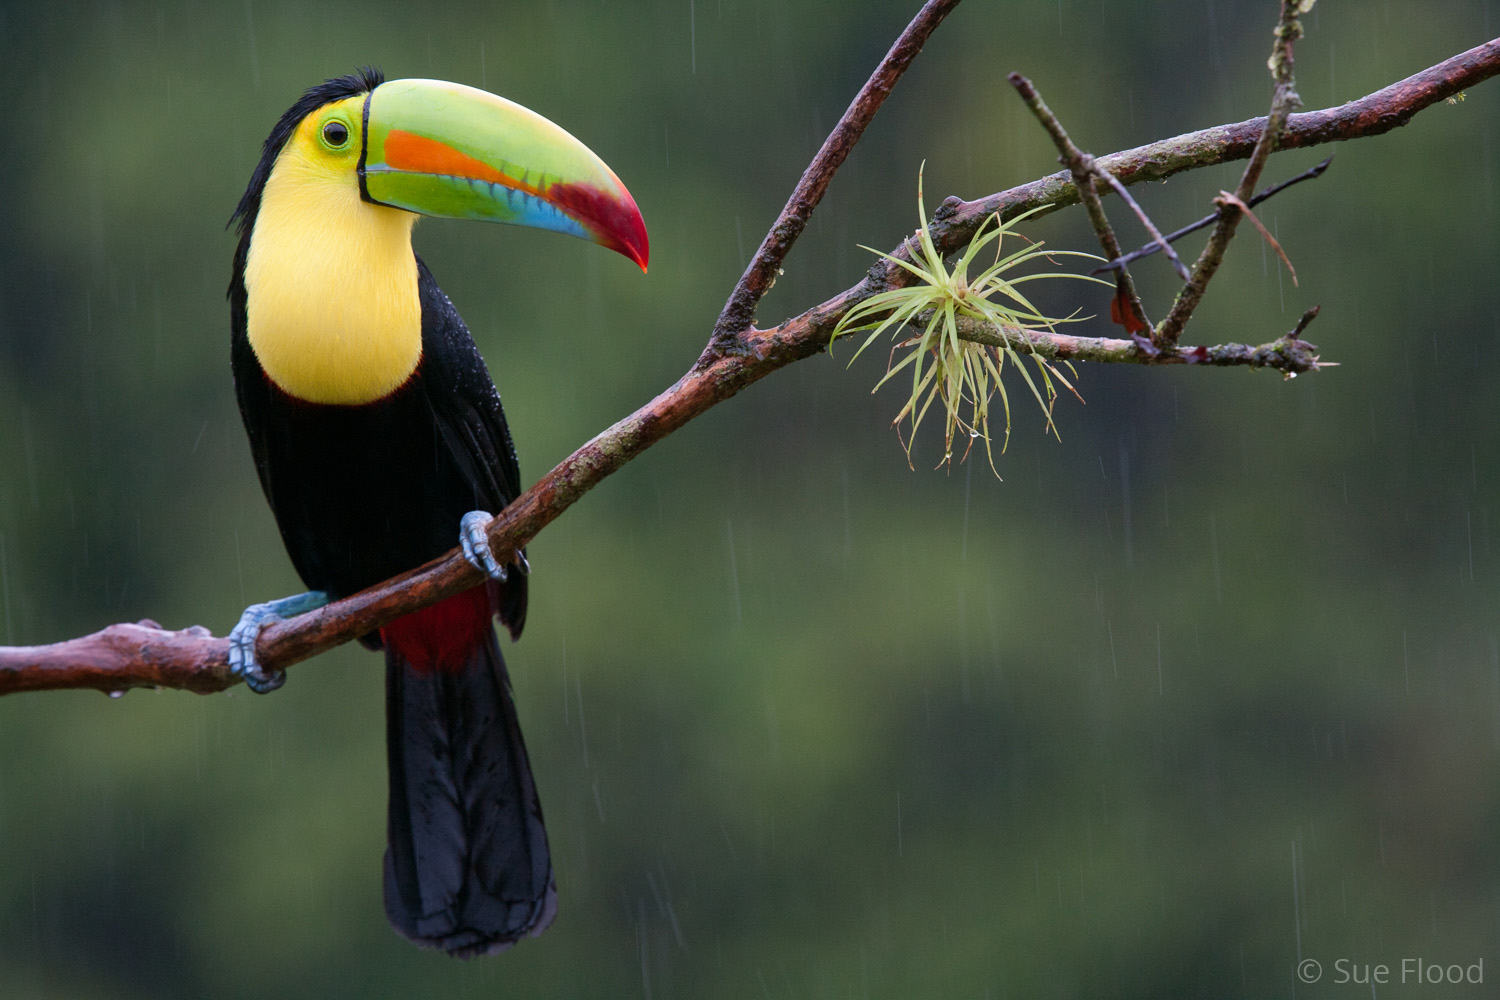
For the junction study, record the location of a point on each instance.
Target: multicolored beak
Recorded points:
(455, 152)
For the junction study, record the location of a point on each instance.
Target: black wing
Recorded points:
(466, 407)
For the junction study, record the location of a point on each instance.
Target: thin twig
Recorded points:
(1157, 238)
(1302, 323)
(1208, 220)
(1228, 198)
(1374, 114)
(1083, 169)
(738, 314)
(1288, 30)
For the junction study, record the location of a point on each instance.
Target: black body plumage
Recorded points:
(362, 493)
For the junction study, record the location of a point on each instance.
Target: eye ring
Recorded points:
(335, 134)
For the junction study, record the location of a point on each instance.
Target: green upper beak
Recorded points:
(452, 151)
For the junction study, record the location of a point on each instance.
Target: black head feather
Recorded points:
(336, 89)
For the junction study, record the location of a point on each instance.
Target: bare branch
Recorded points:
(1085, 172)
(1289, 355)
(121, 656)
(1288, 31)
(1157, 239)
(1208, 220)
(1226, 198)
(1374, 114)
(739, 312)
(124, 656)
(716, 376)
(1307, 318)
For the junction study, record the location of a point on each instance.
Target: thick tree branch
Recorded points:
(124, 656)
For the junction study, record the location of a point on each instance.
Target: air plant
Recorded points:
(945, 367)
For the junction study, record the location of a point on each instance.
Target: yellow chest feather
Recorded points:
(331, 288)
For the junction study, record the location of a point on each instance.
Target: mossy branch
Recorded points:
(1288, 354)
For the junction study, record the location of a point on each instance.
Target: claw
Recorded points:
(246, 631)
(475, 542)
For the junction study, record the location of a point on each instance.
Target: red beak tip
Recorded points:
(633, 242)
(637, 240)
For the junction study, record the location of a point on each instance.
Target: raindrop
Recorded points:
(1468, 526)
(734, 573)
(1113, 659)
(963, 549)
(254, 52)
(28, 450)
(1161, 689)
(900, 845)
(5, 587)
(1213, 534)
(1406, 661)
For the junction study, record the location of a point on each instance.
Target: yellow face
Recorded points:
(331, 280)
(325, 147)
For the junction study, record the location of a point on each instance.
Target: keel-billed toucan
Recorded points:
(377, 434)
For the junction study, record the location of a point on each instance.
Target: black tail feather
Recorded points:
(467, 868)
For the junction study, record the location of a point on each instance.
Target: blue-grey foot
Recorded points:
(475, 543)
(244, 634)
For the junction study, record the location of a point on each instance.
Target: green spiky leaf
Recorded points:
(961, 375)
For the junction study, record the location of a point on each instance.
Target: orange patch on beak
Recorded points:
(419, 154)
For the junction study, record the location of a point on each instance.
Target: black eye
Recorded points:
(336, 133)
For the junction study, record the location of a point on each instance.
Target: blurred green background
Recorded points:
(1209, 687)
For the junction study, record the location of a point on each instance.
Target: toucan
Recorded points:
(379, 441)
